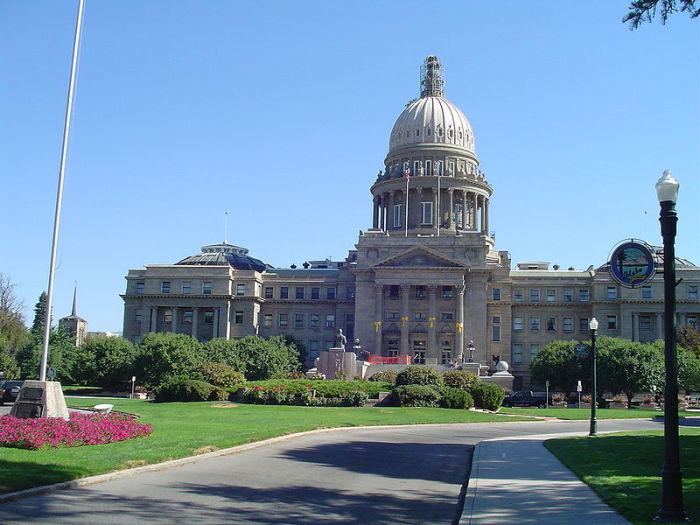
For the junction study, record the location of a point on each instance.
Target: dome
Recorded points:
(222, 255)
(432, 119)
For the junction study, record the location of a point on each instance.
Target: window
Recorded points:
(350, 326)
(495, 333)
(645, 322)
(420, 292)
(692, 320)
(330, 293)
(138, 315)
(238, 317)
(447, 316)
(534, 349)
(447, 292)
(165, 287)
(428, 164)
(517, 323)
(240, 289)
(315, 293)
(445, 356)
(551, 324)
(551, 296)
(568, 296)
(496, 294)
(583, 324)
(439, 168)
(393, 291)
(416, 163)
(692, 292)
(208, 317)
(187, 316)
(496, 319)
(452, 167)
(583, 295)
(517, 296)
(299, 292)
(267, 320)
(458, 215)
(168, 316)
(534, 296)
(139, 287)
(568, 324)
(426, 213)
(420, 316)
(612, 322)
(392, 316)
(313, 349)
(534, 323)
(283, 320)
(397, 215)
(206, 288)
(611, 293)
(268, 292)
(313, 321)
(517, 353)
(284, 293)
(330, 321)
(349, 292)
(298, 320)
(186, 287)
(392, 347)
(646, 292)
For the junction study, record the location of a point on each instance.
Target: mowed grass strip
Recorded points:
(625, 469)
(187, 429)
(585, 413)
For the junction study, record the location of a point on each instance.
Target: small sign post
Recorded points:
(133, 383)
(578, 389)
(546, 399)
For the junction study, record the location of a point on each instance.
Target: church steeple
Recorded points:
(75, 301)
(431, 78)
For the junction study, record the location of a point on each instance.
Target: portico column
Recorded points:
(483, 216)
(174, 323)
(432, 321)
(404, 319)
(635, 327)
(659, 325)
(217, 319)
(375, 213)
(195, 317)
(459, 329)
(475, 208)
(451, 211)
(485, 212)
(154, 320)
(436, 213)
(465, 210)
(378, 317)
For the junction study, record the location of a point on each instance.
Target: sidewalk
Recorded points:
(519, 481)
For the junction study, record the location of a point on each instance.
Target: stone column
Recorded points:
(436, 211)
(217, 320)
(485, 212)
(227, 328)
(659, 325)
(195, 319)
(378, 317)
(405, 319)
(475, 208)
(154, 320)
(451, 211)
(174, 323)
(432, 322)
(483, 216)
(459, 328)
(375, 213)
(390, 211)
(418, 210)
(465, 211)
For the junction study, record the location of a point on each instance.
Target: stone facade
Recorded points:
(425, 280)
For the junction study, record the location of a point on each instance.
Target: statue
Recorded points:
(340, 339)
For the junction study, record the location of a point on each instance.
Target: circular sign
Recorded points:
(632, 263)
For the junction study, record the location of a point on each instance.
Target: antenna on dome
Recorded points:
(431, 77)
(225, 225)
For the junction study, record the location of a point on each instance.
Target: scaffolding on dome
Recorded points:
(431, 77)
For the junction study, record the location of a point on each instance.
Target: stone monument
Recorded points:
(40, 399)
(336, 363)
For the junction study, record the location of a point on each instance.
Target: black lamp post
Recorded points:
(671, 490)
(470, 347)
(593, 326)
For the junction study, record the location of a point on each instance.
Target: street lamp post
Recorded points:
(671, 490)
(593, 325)
(470, 347)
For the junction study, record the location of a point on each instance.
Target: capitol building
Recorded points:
(425, 281)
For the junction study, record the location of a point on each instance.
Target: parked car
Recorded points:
(9, 390)
(526, 398)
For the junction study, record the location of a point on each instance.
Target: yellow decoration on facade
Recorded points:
(377, 325)
(404, 320)
(459, 328)
(431, 322)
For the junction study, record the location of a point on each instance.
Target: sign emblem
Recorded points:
(632, 263)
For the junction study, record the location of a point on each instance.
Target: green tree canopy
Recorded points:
(629, 367)
(256, 357)
(40, 313)
(161, 355)
(558, 363)
(13, 333)
(104, 361)
(62, 351)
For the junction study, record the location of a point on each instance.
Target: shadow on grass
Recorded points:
(24, 474)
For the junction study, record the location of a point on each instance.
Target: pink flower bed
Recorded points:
(80, 429)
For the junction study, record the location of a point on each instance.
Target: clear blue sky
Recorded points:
(280, 113)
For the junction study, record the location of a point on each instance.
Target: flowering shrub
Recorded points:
(80, 429)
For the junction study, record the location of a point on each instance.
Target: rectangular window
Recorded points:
(240, 289)
(165, 287)
(534, 349)
(267, 320)
(426, 213)
(315, 293)
(313, 321)
(612, 322)
(299, 292)
(298, 320)
(551, 324)
(438, 168)
(551, 296)
(186, 287)
(611, 293)
(392, 347)
(168, 316)
(534, 296)
(392, 316)
(139, 287)
(313, 349)
(583, 324)
(693, 292)
(646, 292)
(397, 215)
(568, 324)
(568, 296)
(692, 320)
(420, 292)
(534, 323)
(496, 319)
(238, 317)
(517, 353)
(394, 291)
(269, 292)
(428, 166)
(645, 322)
(208, 317)
(138, 315)
(518, 296)
(283, 320)
(445, 356)
(517, 323)
(206, 288)
(420, 316)
(447, 316)
(187, 316)
(416, 168)
(284, 292)
(496, 294)
(447, 292)
(496, 333)
(583, 296)
(330, 293)
(452, 167)
(349, 292)
(330, 321)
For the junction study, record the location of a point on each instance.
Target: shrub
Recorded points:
(219, 394)
(218, 374)
(325, 388)
(416, 396)
(461, 379)
(181, 388)
(353, 399)
(267, 396)
(487, 395)
(418, 375)
(386, 376)
(456, 398)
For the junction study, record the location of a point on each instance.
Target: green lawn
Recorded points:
(625, 469)
(585, 413)
(185, 429)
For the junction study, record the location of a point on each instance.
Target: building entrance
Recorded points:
(419, 351)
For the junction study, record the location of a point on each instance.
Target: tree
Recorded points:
(689, 339)
(256, 357)
(8, 366)
(161, 355)
(104, 361)
(62, 351)
(641, 11)
(629, 367)
(688, 370)
(13, 333)
(40, 313)
(557, 363)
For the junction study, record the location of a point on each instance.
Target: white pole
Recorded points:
(133, 383)
(59, 192)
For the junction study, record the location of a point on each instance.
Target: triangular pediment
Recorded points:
(418, 258)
